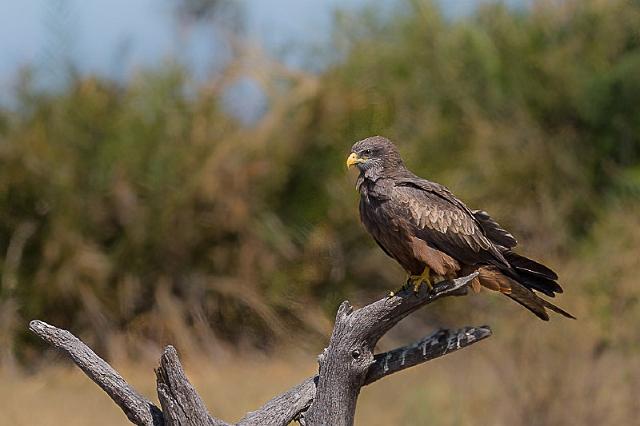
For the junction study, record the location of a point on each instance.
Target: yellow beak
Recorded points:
(353, 159)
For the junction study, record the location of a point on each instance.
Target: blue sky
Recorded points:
(111, 37)
(117, 37)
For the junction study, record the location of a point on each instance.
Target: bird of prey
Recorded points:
(434, 236)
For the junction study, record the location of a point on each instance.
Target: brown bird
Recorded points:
(434, 236)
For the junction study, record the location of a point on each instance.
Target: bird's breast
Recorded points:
(377, 216)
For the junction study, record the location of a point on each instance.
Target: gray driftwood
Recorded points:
(329, 398)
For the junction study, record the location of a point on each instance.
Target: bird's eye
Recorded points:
(367, 152)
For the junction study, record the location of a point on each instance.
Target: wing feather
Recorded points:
(444, 222)
(493, 230)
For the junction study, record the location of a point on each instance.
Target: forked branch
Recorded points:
(347, 364)
(138, 409)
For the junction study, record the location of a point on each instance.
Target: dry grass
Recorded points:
(233, 386)
(529, 373)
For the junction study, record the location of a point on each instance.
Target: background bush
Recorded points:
(140, 212)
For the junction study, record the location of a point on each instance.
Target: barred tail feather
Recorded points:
(556, 309)
(521, 289)
(528, 299)
(533, 302)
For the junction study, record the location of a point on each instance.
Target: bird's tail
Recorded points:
(533, 302)
(521, 280)
(531, 274)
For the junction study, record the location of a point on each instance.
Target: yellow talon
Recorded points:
(418, 280)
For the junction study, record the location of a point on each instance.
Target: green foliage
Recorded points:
(155, 212)
(499, 104)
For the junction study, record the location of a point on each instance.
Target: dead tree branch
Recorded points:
(293, 404)
(433, 346)
(347, 364)
(181, 404)
(138, 409)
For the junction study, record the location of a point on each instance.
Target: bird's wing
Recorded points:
(473, 238)
(493, 230)
(444, 222)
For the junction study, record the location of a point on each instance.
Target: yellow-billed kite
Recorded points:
(434, 236)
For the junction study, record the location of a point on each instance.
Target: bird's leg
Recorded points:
(415, 281)
(418, 280)
(406, 285)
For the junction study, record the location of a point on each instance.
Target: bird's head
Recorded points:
(375, 157)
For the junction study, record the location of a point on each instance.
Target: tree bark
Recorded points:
(346, 362)
(137, 408)
(181, 404)
(329, 398)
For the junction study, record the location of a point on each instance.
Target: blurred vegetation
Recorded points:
(140, 212)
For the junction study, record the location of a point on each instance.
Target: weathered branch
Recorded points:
(438, 344)
(347, 364)
(346, 361)
(284, 408)
(288, 406)
(138, 409)
(181, 404)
